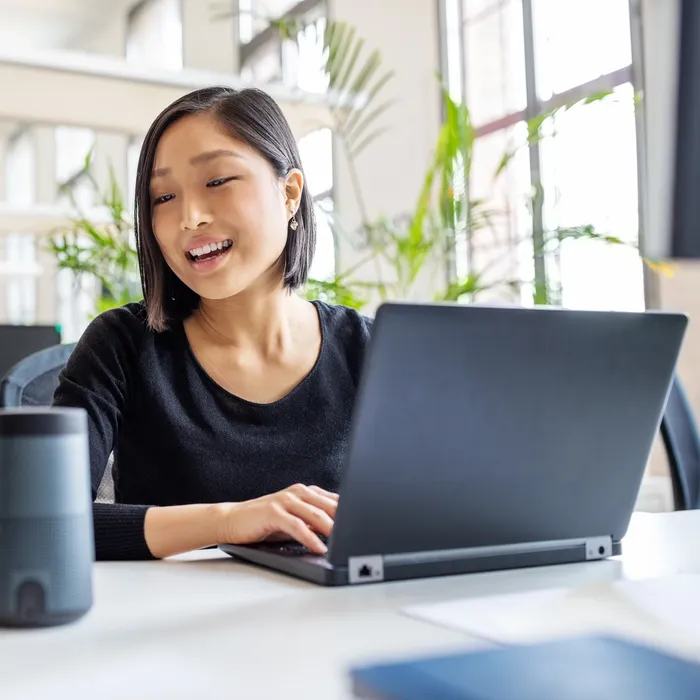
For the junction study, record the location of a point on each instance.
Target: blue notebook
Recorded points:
(584, 668)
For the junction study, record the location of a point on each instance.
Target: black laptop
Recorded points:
(489, 438)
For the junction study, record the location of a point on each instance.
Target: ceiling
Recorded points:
(52, 24)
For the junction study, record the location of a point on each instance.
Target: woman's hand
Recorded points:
(298, 512)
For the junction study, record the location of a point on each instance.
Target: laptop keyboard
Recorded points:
(290, 549)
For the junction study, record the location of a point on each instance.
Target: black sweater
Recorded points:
(178, 437)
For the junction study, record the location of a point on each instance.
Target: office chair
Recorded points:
(682, 442)
(33, 381)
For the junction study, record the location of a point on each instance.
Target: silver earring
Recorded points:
(293, 223)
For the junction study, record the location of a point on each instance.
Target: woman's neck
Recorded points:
(260, 323)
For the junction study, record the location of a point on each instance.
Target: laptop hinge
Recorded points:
(366, 569)
(599, 547)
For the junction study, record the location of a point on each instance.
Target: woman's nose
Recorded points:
(194, 214)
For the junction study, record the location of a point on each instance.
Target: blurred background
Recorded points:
(458, 150)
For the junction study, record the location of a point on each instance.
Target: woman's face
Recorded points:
(220, 213)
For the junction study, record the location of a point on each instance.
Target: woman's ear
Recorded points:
(293, 187)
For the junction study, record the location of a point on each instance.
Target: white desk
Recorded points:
(655, 601)
(205, 623)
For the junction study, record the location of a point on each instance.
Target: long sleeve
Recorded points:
(97, 379)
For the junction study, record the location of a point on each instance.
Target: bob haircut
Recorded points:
(250, 116)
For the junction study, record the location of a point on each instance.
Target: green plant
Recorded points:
(445, 212)
(101, 249)
(459, 214)
(399, 250)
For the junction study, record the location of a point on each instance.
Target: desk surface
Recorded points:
(205, 622)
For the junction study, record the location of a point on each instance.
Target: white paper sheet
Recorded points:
(659, 610)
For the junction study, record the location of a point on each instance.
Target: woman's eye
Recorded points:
(219, 181)
(163, 199)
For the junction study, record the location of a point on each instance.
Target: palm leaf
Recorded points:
(356, 149)
(349, 67)
(344, 42)
(350, 120)
(535, 125)
(357, 77)
(352, 133)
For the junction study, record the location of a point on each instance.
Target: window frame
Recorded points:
(535, 107)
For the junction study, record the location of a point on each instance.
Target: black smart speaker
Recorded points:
(46, 531)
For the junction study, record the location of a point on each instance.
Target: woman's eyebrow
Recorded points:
(201, 158)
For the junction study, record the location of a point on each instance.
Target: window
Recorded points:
(245, 21)
(132, 162)
(154, 34)
(453, 49)
(303, 61)
(500, 240)
(20, 171)
(583, 172)
(18, 261)
(493, 57)
(589, 171)
(266, 57)
(577, 41)
(73, 145)
(316, 150)
(254, 16)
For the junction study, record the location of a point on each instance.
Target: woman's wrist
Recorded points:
(221, 516)
(171, 530)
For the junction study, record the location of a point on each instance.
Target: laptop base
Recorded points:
(319, 570)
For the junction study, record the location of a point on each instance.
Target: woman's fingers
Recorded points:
(297, 528)
(327, 505)
(316, 496)
(314, 516)
(323, 492)
(303, 513)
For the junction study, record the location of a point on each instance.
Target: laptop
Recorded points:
(488, 438)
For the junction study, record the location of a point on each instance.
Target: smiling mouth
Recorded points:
(209, 251)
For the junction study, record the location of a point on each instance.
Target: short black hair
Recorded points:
(250, 116)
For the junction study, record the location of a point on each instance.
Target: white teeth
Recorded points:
(210, 248)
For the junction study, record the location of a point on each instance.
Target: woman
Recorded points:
(225, 396)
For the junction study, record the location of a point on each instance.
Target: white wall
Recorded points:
(208, 44)
(108, 36)
(392, 169)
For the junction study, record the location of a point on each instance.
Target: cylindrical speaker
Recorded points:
(46, 531)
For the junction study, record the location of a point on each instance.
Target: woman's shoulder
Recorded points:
(114, 336)
(346, 333)
(344, 322)
(130, 316)
(122, 325)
